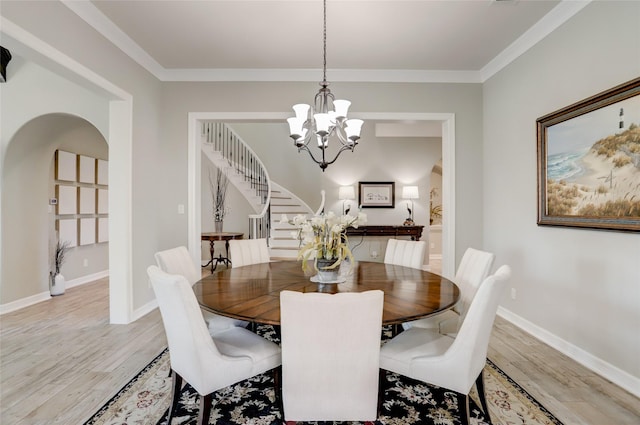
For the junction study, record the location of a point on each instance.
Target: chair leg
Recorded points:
(481, 395)
(176, 386)
(205, 409)
(277, 385)
(463, 407)
(382, 378)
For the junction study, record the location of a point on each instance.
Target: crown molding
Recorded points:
(96, 19)
(545, 26)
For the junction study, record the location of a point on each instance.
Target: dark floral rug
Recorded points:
(146, 398)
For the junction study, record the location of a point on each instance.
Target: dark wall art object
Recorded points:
(589, 162)
(5, 57)
(376, 194)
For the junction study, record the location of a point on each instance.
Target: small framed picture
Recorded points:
(376, 194)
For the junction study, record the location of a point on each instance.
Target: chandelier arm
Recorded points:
(344, 148)
(340, 132)
(306, 148)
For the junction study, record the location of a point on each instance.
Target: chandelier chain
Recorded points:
(324, 40)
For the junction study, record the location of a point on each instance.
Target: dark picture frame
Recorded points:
(589, 162)
(377, 194)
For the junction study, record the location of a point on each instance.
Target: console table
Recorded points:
(414, 231)
(219, 236)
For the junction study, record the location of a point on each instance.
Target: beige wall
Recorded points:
(579, 288)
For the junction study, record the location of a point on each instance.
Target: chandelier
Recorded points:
(326, 118)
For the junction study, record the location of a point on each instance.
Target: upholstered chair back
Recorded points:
(194, 356)
(330, 355)
(244, 252)
(178, 261)
(405, 253)
(473, 269)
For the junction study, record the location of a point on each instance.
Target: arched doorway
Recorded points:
(29, 219)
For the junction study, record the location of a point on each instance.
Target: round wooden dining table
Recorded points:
(252, 293)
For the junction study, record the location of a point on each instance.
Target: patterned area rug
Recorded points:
(145, 400)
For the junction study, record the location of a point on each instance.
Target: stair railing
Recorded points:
(244, 161)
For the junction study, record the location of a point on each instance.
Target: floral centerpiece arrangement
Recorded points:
(323, 238)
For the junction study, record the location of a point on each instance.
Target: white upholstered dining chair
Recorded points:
(405, 253)
(448, 362)
(330, 355)
(178, 261)
(244, 252)
(207, 364)
(472, 271)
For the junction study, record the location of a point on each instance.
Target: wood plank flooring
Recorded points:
(61, 360)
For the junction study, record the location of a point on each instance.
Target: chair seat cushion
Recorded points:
(216, 323)
(241, 342)
(433, 322)
(397, 354)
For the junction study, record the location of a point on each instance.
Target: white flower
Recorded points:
(324, 236)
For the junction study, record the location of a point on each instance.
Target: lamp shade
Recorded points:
(410, 192)
(346, 192)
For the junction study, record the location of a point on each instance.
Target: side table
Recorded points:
(219, 236)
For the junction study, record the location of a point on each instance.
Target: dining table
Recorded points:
(252, 292)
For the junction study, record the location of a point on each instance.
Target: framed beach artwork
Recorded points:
(589, 162)
(376, 194)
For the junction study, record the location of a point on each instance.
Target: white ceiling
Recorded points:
(281, 40)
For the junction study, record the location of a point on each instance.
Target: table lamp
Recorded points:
(411, 193)
(345, 193)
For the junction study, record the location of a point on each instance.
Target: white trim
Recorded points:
(86, 279)
(43, 296)
(120, 165)
(448, 168)
(614, 374)
(24, 302)
(449, 196)
(94, 17)
(545, 26)
(144, 310)
(194, 204)
(311, 75)
(103, 25)
(37, 45)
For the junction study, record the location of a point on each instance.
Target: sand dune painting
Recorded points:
(589, 162)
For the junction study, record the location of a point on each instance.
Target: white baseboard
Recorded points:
(86, 279)
(24, 302)
(43, 296)
(145, 309)
(606, 370)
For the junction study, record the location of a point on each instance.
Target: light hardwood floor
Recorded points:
(61, 360)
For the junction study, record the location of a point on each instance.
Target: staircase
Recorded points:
(283, 243)
(228, 152)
